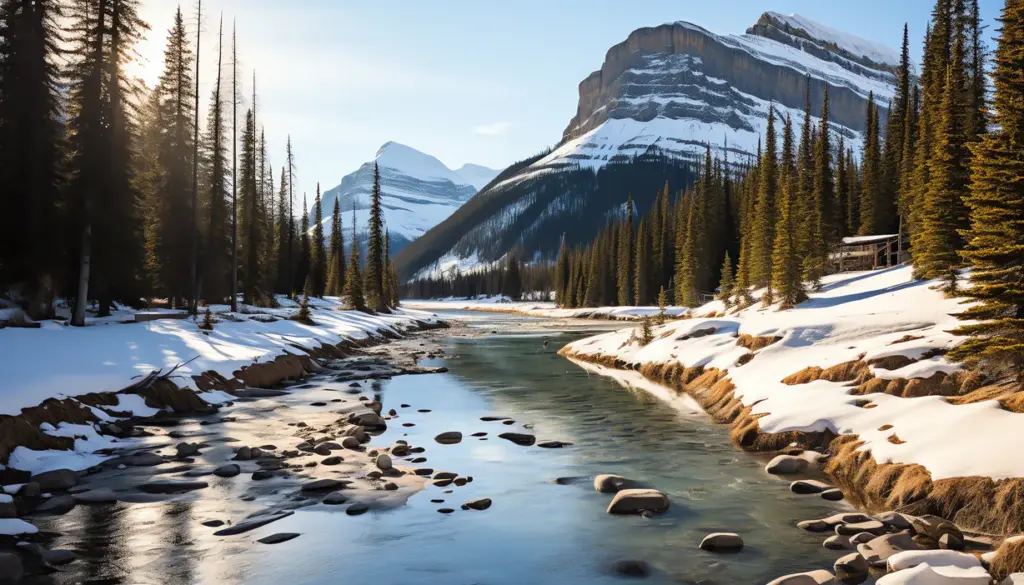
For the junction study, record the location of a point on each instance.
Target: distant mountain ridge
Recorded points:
(665, 93)
(417, 192)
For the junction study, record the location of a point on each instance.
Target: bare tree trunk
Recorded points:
(78, 317)
(194, 306)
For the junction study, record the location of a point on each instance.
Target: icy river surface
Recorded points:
(546, 523)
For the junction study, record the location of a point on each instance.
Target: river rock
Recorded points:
(493, 418)
(11, 567)
(877, 551)
(479, 434)
(607, 483)
(59, 504)
(808, 486)
(552, 444)
(172, 486)
(322, 449)
(253, 522)
(449, 437)
(229, 470)
(357, 509)
(934, 526)
(7, 509)
(262, 475)
(57, 480)
(833, 494)
(29, 490)
(894, 520)
(383, 462)
(872, 526)
(278, 538)
(951, 541)
(243, 454)
(332, 460)
(852, 569)
(445, 510)
(635, 501)
(521, 439)
(213, 523)
(836, 542)
(461, 481)
(786, 465)
(350, 443)
(442, 482)
(477, 504)
(819, 577)
(936, 558)
(186, 449)
(391, 486)
(332, 446)
(814, 526)
(445, 475)
(370, 420)
(630, 568)
(335, 499)
(722, 542)
(144, 459)
(861, 538)
(325, 484)
(96, 496)
(399, 450)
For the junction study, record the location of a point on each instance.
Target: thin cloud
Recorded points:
(495, 129)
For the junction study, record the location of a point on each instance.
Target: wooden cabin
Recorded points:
(870, 252)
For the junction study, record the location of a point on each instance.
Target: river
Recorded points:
(538, 530)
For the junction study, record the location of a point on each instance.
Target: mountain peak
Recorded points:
(853, 46)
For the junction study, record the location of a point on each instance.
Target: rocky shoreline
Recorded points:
(179, 452)
(918, 524)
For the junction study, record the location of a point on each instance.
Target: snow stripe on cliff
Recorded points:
(854, 314)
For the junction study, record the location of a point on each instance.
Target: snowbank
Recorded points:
(855, 316)
(542, 309)
(61, 361)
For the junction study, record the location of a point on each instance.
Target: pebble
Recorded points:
(333, 460)
(521, 439)
(383, 462)
(445, 510)
(229, 470)
(722, 542)
(634, 501)
(477, 504)
(278, 538)
(357, 509)
(449, 437)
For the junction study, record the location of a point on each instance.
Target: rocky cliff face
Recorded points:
(667, 91)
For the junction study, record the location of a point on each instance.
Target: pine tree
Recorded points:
(248, 198)
(216, 255)
(842, 190)
(995, 248)
(872, 208)
(726, 283)
(512, 285)
(31, 140)
(976, 60)
(336, 254)
(892, 151)
(302, 264)
(176, 120)
(592, 296)
(624, 275)
(764, 214)
(945, 216)
(852, 194)
(283, 237)
(786, 279)
(104, 199)
(375, 249)
(293, 237)
(317, 276)
(234, 168)
(823, 216)
(641, 267)
(353, 277)
(562, 274)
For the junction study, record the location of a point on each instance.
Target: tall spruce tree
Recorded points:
(317, 277)
(216, 257)
(374, 276)
(726, 282)
(176, 120)
(104, 198)
(945, 216)
(336, 254)
(823, 217)
(31, 141)
(248, 198)
(872, 206)
(995, 249)
(641, 267)
(283, 237)
(562, 274)
(302, 263)
(353, 274)
(763, 237)
(624, 273)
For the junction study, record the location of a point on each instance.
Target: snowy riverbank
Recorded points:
(542, 309)
(862, 359)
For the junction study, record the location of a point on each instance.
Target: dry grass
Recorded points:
(755, 342)
(804, 376)
(891, 362)
(745, 359)
(895, 440)
(906, 338)
(1009, 559)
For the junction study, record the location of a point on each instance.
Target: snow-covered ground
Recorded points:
(109, 354)
(855, 316)
(540, 309)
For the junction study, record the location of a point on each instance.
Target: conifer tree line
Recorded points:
(946, 170)
(510, 277)
(116, 193)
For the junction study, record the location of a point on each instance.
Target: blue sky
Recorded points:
(484, 81)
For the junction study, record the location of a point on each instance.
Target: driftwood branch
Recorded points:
(151, 378)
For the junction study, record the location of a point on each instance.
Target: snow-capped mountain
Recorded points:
(417, 192)
(664, 93)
